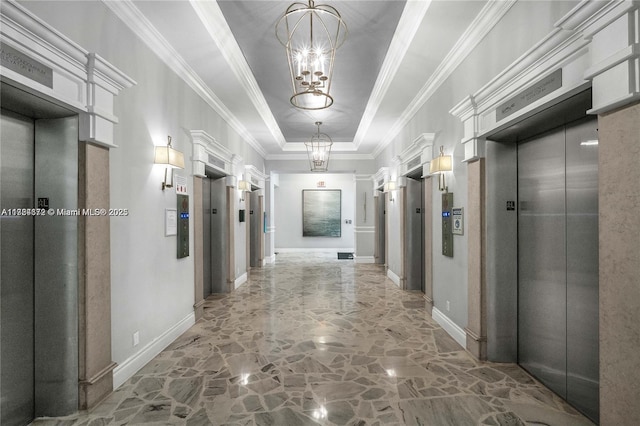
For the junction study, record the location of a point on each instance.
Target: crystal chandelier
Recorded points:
(311, 34)
(318, 150)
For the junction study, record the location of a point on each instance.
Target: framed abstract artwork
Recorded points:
(321, 213)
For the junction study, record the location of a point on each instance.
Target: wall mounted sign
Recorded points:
(170, 222)
(18, 62)
(180, 183)
(457, 214)
(530, 95)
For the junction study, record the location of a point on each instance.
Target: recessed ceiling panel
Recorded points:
(371, 25)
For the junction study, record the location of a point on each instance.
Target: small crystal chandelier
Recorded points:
(318, 150)
(311, 34)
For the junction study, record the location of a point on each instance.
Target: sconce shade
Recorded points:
(169, 157)
(440, 164)
(244, 185)
(389, 186)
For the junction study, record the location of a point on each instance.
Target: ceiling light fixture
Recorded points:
(318, 150)
(311, 34)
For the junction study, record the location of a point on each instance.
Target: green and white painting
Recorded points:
(321, 213)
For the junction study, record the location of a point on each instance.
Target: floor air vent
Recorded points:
(343, 255)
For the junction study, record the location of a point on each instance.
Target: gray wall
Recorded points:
(508, 40)
(151, 290)
(288, 211)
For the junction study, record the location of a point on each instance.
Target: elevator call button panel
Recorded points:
(447, 225)
(183, 226)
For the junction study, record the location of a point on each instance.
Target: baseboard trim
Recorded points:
(132, 365)
(270, 259)
(450, 327)
(314, 250)
(393, 277)
(364, 259)
(240, 280)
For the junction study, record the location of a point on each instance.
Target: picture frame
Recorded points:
(322, 213)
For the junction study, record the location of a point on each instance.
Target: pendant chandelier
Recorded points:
(311, 34)
(318, 150)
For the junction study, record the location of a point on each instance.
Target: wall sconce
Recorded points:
(244, 186)
(389, 187)
(170, 157)
(439, 165)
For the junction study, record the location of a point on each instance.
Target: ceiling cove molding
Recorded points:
(140, 25)
(488, 17)
(336, 147)
(216, 25)
(408, 25)
(332, 157)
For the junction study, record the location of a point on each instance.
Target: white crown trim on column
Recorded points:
(80, 80)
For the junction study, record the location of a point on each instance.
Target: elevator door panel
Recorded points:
(255, 231)
(380, 227)
(582, 267)
(558, 262)
(17, 270)
(219, 254)
(206, 238)
(413, 235)
(541, 260)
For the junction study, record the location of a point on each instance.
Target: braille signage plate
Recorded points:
(530, 95)
(18, 62)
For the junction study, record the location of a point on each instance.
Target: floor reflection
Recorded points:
(315, 340)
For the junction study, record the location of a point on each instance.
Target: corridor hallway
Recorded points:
(316, 340)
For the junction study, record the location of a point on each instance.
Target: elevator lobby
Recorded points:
(428, 219)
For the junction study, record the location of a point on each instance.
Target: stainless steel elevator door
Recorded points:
(413, 235)
(558, 262)
(215, 235)
(16, 270)
(381, 221)
(255, 231)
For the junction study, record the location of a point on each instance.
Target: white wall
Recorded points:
(288, 211)
(152, 292)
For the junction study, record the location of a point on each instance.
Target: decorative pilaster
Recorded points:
(94, 280)
(198, 243)
(619, 265)
(477, 293)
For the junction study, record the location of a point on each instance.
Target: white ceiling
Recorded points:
(395, 55)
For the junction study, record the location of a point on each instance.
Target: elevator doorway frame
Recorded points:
(95, 378)
(500, 306)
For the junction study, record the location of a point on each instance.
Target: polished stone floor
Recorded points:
(315, 340)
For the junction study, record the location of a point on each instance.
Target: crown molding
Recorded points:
(128, 13)
(216, 25)
(408, 25)
(333, 156)
(337, 146)
(488, 17)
